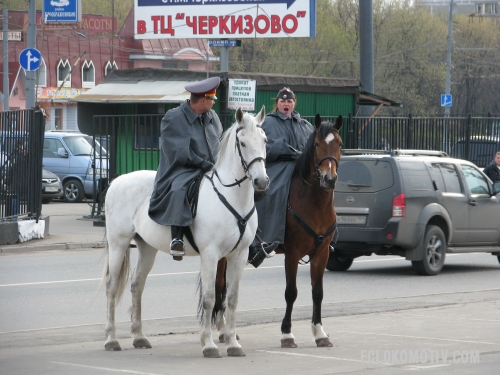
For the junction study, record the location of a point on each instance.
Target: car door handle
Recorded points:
(472, 202)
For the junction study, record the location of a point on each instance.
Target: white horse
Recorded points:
(215, 230)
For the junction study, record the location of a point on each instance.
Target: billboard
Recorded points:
(161, 19)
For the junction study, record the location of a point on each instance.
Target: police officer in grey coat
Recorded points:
(287, 134)
(190, 138)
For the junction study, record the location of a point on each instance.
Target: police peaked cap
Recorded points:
(285, 93)
(206, 87)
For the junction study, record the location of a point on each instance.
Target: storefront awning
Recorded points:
(136, 92)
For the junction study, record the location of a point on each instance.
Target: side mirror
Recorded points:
(61, 151)
(496, 187)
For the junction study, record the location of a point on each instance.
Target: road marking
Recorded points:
(196, 272)
(420, 337)
(411, 368)
(317, 356)
(105, 368)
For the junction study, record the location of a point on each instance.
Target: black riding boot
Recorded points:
(258, 252)
(177, 249)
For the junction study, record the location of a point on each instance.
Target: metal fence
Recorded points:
(132, 141)
(21, 147)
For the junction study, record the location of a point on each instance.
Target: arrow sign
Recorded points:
(30, 59)
(446, 100)
(149, 3)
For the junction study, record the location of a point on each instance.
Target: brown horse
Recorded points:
(310, 227)
(311, 222)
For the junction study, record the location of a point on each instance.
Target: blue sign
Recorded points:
(30, 59)
(61, 11)
(224, 43)
(446, 100)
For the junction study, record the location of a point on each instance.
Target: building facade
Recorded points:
(77, 57)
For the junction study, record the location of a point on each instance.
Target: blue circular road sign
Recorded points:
(30, 59)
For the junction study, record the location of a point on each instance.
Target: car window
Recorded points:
(364, 175)
(50, 147)
(79, 145)
(415, 176)
(446, 178)
(475, 181)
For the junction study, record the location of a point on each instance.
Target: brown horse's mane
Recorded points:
(302, 165)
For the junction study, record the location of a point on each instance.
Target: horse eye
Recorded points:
(316, 144)
(243, 144)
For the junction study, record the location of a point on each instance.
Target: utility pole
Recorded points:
(366, 50)
(448, 58)
(5, 45)
(31, 43)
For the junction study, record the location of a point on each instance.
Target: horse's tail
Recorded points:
(220, 294)
(122, 277)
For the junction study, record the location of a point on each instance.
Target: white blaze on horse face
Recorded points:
(330, 137)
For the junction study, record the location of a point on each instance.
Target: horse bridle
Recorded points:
(317, 163)
(244, 164)
(242, 221)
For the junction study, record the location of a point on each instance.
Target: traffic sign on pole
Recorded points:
(446, 100)
(30, 59)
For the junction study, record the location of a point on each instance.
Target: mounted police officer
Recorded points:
(190, 138)
(287, 134)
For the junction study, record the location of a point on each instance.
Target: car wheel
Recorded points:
(434, 252)
(338, 262)
(73, 191)
(47, 200)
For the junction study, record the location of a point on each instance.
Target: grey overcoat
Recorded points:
(186, 141)
(285, 137)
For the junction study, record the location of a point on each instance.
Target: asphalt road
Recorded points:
(49, 289)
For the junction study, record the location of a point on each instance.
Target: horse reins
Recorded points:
(242, 221)
(246, 167)
(318, 238)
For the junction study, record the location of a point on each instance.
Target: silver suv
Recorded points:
(416, 204)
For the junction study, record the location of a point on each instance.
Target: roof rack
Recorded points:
(397, 152)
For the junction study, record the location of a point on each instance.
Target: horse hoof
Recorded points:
(288, 343)
(221, 338)
(142, 344)
(211, 353)
(323, 342)
(235, 352)
(112, 346)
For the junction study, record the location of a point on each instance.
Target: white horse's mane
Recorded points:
(229, 136)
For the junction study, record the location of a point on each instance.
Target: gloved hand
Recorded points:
(205, 166)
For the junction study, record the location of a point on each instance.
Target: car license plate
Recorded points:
(342, 219)
(50, 189)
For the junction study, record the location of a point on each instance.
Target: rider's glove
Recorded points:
(205, 166)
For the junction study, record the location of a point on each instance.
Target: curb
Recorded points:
(55, 246)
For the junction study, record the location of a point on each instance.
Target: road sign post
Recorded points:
(30, 59)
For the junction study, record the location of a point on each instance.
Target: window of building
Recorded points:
(63, 69)
(174, 64)
(58, 118)
(88, 74)
(107, 69)
(41, 74)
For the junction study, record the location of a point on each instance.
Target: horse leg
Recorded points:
(318, 264)
(116, 274)
(145, 262)
(220, 296)
(235, 265)
(291, 267)
(208, 272)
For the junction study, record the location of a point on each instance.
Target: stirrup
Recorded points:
(177, 248)
(258, 253)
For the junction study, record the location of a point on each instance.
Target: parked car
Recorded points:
(482, 149)
(51, 187)
(71, 156)
(416, 204)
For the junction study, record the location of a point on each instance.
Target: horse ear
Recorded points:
(317, 121)
(339, 122)
(239, 115)
(261, 115)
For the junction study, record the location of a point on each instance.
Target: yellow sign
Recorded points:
(63, 93)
